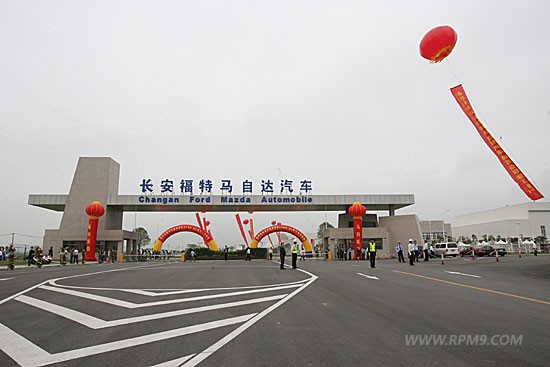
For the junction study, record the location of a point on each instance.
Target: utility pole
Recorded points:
(12, 237)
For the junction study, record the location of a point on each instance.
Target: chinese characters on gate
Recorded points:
(225, 187)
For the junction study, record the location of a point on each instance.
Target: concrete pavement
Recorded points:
(253, 314)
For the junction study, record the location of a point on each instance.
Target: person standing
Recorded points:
(294, 254)
(50, 252)
(372, 253)
(535, 249)
(63, 255)
(247, 254)
(30, 258)
(399, 250)
(302, 254)
(411, 253)
(282, 254)
(75, 255)
(416, 252)
(193, 256)
(38, 257)
(270, 253)
(426, 250)
(225, 253)
(11, 258)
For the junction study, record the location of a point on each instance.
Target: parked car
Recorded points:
(466, 251)
(484, 251)
(446, 248)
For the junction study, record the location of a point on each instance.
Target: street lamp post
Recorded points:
(519, 244)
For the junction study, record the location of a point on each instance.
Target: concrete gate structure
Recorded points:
(97, 179)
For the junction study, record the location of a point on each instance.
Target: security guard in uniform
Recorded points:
(372, 253)
(294, 254)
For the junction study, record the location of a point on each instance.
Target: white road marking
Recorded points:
(232, 335)
(466, 275)
(6, 279)
(368, 276)
(96, 323)
(120, 303)
(26, 353)
(22, 292)
(168, 292)
(175, 362)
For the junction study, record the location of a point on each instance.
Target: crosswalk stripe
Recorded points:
(175, 362)
(120, 303)
(26, 353)
(96, 323)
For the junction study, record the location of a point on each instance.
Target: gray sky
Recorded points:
(269, 89)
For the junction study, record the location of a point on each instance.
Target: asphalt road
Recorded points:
(236, 313)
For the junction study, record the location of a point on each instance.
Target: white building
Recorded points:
(433, 230)
(523, 220)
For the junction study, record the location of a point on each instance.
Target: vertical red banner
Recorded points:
(357, 236)
(515, 173)
(94, 210)
(356, 210)
(91, 240)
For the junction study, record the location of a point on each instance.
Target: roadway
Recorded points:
(240, 313)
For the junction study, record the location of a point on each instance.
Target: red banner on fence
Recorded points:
(513, 170)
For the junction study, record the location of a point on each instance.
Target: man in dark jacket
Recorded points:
(282, 254)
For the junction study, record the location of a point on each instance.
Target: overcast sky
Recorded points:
(331, 91)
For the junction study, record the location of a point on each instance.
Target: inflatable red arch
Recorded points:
(208, 239)
(282, 228)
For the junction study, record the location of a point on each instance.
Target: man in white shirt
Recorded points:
(426, 251)
(399, 250)
(411, 253)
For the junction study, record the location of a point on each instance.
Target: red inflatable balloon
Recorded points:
(438, 43)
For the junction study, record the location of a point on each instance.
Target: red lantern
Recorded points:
(273, 223)
(438, 43)
(357, 210)
(95, 209)
(245, 222)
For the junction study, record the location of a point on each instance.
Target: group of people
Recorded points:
(414, 251)
(38, 258)
(295, 249)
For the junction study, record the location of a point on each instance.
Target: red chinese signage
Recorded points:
(513, 170)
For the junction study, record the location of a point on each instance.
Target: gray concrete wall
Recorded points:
(95, 179)
(402, 228)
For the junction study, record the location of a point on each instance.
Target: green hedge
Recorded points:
(203, 253)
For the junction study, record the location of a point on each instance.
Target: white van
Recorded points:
(446, 248)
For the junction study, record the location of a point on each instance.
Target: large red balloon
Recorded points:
(438, 43)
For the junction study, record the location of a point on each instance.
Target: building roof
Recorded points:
(234, 203)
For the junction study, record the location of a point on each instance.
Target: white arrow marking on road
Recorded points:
(6, 279)
(368, 276)
(466, 275)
